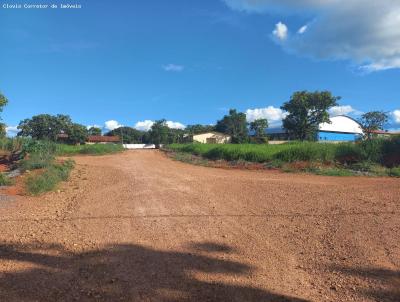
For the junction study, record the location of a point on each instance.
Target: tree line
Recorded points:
(305, 111)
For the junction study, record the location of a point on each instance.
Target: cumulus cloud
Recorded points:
(12, 130)
(112, 124)
(365, 32)
(280, 31)
(175, 125)
(173, 67)
(396, 116)
(341, 110)
(146, 125)
(272, 114)
(94, 126)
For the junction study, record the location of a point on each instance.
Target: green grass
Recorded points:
(5, 181)
(261, 153)
(376, 158)
(95, 149)
(49, 179)
(395, 172)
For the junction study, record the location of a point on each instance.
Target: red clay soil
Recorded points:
(138, 226)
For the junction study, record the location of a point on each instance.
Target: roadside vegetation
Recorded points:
(370, 157)
(95, 149)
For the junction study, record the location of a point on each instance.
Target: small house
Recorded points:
(211, 138)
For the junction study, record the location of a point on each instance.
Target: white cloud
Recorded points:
(146, 125)
(12, 130)
(94, 126)
(396, 116)
(175, 125)
(112, 124)
(272, 114)
(365, 32)
(302, 29)
(280, 31)
(173, 67)
(341, 110)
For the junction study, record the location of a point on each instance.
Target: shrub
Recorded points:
(395, 172)
(48, 180)
(37, 161)
(347, 153)
(44, 148)
(4, 180)
(391, 152)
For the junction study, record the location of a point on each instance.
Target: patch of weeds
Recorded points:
(333, 172)
(5, 180)
(370, 168)
(394, 172)
(37, 160)
(48, 180)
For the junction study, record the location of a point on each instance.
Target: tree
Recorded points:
(197, 129)
(128, 135)
(159, 132)
(306, 110)
(77, 134)
(176, 136)
(3, 103)
(372, 121)
(45, 126)
(259, 128)
(235, 125)
(94, 131)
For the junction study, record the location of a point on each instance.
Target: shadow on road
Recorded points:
(122, 273)
(384, 283)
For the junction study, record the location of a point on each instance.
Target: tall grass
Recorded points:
(380, 151)
(48, 180)
(95, 149)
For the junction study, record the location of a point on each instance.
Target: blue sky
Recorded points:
(132, 62)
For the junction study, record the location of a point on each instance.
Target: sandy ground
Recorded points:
(139, 226)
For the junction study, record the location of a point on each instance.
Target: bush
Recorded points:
(395, 172)
(36, 161)
(48, 180)
(348, 153)
(391, 152)
(44, 148)
(4, 180)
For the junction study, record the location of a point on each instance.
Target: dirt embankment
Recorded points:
(138, 226)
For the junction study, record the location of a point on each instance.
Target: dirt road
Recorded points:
(138, 226)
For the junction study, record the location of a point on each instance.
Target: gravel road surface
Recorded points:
(138, 226)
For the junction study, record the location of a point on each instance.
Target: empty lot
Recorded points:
(138, 226)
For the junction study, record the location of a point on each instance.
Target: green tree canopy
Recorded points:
(129, 135)
(94, 131)
(77, 134)
(198, 128)
(3, 103)
(45, 126)
(372, 121)
(159, 132)
(234, 124)
(306, 110)
(259, 127)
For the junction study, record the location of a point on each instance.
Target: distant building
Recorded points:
(212, 138)
(342, 128)
(102, 139)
